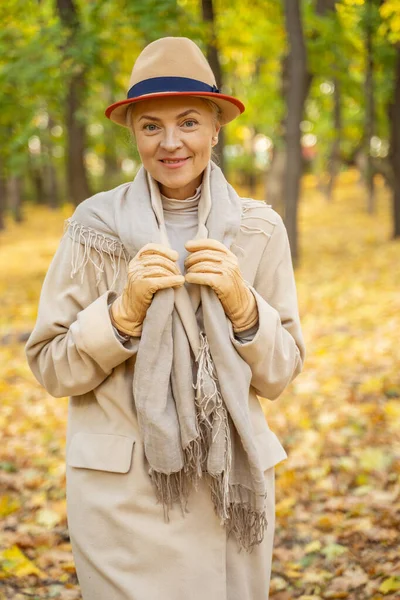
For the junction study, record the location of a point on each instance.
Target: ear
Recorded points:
(217, 128)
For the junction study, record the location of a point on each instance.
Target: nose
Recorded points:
(171, 139)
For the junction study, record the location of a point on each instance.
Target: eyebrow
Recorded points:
(186, 112)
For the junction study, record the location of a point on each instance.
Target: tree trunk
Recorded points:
(52, 189)
(369, 110)
(110, 156)
(3, 197)
(298, 85)
(15, 197)
(110, 152)
(334, 161)
(274, 181)
(77, 180)
(394, 154)
(213, 59)
(323, 6)
(321, 9)
(280, 190)
(275, 177)
(35, 173)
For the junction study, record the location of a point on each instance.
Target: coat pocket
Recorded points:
(269, 449)
(100, 451)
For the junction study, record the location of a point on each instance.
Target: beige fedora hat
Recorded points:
(173, 66)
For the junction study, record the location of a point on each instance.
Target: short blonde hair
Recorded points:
(128, 120)
(215, 108)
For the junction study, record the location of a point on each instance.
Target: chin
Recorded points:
(176, 181)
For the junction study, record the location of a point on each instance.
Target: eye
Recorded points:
(192, 123)
(150, 125)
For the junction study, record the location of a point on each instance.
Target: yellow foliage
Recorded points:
(284, 507)
(14, 562)
(390, 12)
(392, 584)
(8, 505)
(314, 546)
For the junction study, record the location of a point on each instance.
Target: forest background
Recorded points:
(320, 142)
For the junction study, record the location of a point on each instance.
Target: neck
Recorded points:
(183, 192)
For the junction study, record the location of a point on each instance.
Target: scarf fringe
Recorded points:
(87, 238)
(171, 488)
(210, 409)
(174, 488)
(239, 517)
(247, 524)
(194, 459)
(232, 504)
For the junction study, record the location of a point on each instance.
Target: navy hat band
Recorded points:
(170, 84)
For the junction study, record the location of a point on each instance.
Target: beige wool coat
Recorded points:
(122, 547)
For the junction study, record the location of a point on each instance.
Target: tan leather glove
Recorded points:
(213, 264)
(152, 269)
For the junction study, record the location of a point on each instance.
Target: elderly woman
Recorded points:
(169, 307)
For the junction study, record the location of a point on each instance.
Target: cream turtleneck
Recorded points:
(181, 222)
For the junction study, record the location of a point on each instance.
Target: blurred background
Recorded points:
(320, 142)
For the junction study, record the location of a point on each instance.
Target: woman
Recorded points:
(168, 306)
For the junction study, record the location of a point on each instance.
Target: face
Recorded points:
(174, 136)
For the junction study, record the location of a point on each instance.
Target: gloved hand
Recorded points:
(152, 269)
(213, 264)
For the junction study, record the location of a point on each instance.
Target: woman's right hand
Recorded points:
(153, 268)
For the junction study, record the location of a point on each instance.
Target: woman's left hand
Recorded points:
(213, 264)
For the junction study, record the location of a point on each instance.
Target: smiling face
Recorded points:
(174, 137)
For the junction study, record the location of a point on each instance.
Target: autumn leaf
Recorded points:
(48, 518)
(14, 562)
(333, 550)
(8, 505)
(392, 584)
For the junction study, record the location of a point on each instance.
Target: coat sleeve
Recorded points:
(276, 353)
(73, 346)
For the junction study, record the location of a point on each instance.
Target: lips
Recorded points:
(174, 163)
(171, 161)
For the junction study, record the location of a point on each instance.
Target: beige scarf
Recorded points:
(190, 387)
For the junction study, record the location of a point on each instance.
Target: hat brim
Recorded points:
(231, 107)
